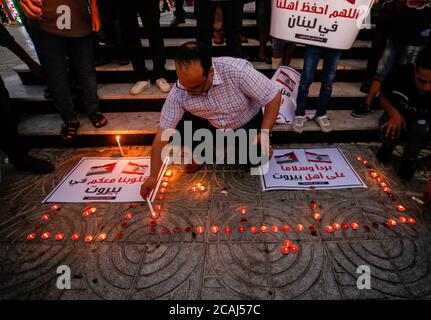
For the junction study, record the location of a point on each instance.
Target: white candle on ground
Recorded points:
(119, 146)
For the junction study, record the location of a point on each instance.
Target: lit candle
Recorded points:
(287, 243)
(194, 189)
(329, 229)
(386, 189)
(336, 226)
(264, 229)
(403, 220)
(383, 185)
(411, 220)
(119, 146)
(317, 216)
(286, 228)
(101, 237)
(227, 229)
(355, 226)
(285, 250)
(55, 207)
(31, 236)
(160, 197)
(275, 229)
(294, 249)
(201, 188)
(401, 208)
(59, 237)
(75, 236)
(168, 173)
(360, 159)
(314, 206)
(88, 239)
(345, 226)
(46, 217)
(373, 173)
(45, 235)
(241, 229)
(300, 227)
(214, 229)
(164, 184)
(253, 229)
(200, 229)
(365, 162)
(128, 216)
(243, 211)
(163, 190)
(154, 214)
(158, 207)
(391, 222)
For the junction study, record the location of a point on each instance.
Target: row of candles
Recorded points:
(381, 182)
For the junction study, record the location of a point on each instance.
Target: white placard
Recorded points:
(325, 23)
(105, 180)
(310, 169)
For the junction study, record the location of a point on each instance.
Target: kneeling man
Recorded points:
(214, 94)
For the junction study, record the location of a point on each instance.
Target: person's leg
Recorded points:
(179, 9)
(150, 14)
(418, 137)
(54, 66)
(263, 18)
(311, 60)
(81, 55)
(12, 144)
(128, 18)
(330, 63)
(204, 11)
(232, 22)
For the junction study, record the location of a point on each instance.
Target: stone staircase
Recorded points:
(136, 117)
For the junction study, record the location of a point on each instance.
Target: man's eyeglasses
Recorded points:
(197, 90)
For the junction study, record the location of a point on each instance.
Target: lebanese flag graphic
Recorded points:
(315, 157)
(105, 169)
(134, 168)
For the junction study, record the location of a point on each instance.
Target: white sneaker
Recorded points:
(276, 62)
(324, 124)
(163, 85)
(298, 124)
(140, 87)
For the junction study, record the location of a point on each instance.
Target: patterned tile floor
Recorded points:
(146, 265)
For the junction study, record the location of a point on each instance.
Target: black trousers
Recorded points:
(10, 142)
(150, 15)
(179, 9)
(232, 21)
(417, 136)
(200, 123)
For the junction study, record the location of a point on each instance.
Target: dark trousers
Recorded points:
(417, 136)
(150, 15)
(378, 43)
(232, 21)
(54, 53)
(200, 123)
(179, 9)
(10, 142)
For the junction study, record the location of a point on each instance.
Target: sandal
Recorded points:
(69, 130)
(98, 120)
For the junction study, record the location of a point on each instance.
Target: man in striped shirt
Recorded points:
(215, 94)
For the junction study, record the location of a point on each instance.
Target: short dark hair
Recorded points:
(424, 58)
(194, 51)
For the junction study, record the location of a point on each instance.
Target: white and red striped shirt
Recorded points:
(237, 94)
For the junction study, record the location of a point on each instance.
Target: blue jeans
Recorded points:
(54, 52)
(312, 56)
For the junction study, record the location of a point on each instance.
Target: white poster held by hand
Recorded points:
(325, 23)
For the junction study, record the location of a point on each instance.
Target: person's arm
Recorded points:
(33, 9)
(95, 16)
(396, 122)
(156, 164)
(271, 112)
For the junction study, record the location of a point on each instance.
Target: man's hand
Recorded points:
(394, 125)
(263, 140)
(32, 9)
(95, 17)
(147, 187)
(426, 194)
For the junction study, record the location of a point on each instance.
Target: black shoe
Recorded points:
(407, 169)
(362, 111)
(177, 20)
(34, 165)
(365, 87)
(384, 154)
